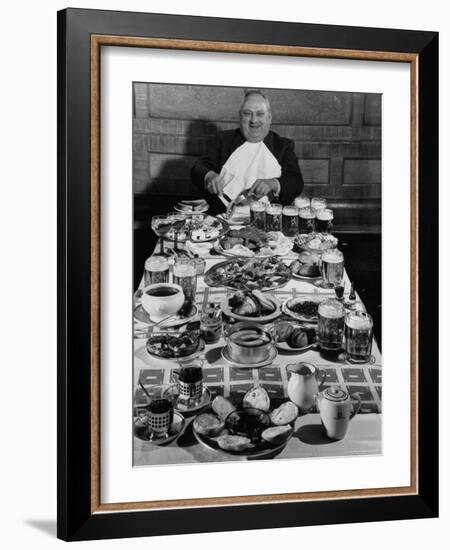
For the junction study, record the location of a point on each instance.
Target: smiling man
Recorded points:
(251, 158)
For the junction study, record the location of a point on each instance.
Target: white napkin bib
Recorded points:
(249, 162)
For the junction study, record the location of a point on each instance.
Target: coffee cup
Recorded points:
(159, 417)
(162, 300)
(189, 380)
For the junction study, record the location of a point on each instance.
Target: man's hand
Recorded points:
(263, 187)
(214, 183)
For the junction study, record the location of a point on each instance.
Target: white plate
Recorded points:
(263, 319)
(272, 356)
(141, 316)
(299, 317)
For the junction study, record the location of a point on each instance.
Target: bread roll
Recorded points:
(233, 442)
(257, 398)
(298, 338)
(276, 435)
(286, 413)
(222, 407)
(208, 424)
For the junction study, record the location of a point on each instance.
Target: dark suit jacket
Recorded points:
(291, 180)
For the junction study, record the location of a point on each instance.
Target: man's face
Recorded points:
(255, 118)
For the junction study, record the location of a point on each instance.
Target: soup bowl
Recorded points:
(162, 300)
(249, 343)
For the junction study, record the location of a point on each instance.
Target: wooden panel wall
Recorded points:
(337, 139)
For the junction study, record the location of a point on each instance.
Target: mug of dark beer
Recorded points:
(324, 220)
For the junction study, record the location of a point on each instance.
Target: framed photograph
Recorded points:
(247, 300)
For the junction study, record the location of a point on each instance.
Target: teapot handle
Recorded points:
(358, 406)
(323, 374)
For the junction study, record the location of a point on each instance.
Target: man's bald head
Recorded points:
(255, 116)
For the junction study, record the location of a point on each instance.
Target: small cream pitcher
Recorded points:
(303, 384)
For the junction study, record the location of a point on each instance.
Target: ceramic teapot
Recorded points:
(336, 410)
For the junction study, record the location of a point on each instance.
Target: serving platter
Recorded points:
(196, 228)
(255, 450)
(315, 242)
(252, 243)
(228, 310)
(264, 274)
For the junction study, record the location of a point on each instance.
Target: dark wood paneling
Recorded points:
(362, 171)
(372, 113)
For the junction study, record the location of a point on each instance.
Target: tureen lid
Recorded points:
(335, 393)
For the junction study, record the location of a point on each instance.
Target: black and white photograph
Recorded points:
(257, 274)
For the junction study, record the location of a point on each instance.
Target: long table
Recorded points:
(363, 436)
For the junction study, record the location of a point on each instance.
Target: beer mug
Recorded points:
(302, 202)
(273, 217)
(332, 268)
(331, 315)
(258, 215)
(156, 270)
(306, 220)
(358, 336)
(185, 275)
(324, 220)
(318, 203)
(290, 220)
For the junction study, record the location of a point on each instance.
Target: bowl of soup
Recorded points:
(249, 343)
(162, 300)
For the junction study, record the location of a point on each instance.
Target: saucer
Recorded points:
(272, 355)
(140, 430)
(143, 317)
(205, 400)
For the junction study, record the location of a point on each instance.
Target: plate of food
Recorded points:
(199, 228)
(191, 207)
(252, 242)
(315, 242)
(306, 266)
(251, 305)
(254, 428)
(249, 273)
(293, 336)
(303, 308)
(174, 345)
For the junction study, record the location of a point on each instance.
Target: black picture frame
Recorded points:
(77, 517)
